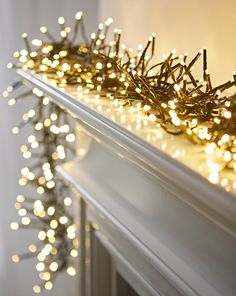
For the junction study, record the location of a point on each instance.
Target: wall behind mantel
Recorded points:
(181, 24)
(17, 17)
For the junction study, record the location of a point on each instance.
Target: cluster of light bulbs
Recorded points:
(49, 215)
(167, 92)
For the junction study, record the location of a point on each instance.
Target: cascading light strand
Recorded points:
(56, 242)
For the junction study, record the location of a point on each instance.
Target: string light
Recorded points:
(48, 214)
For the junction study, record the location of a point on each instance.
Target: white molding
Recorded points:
(126, 269)
(187, 248)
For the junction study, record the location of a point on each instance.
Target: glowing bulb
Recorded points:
(54, 224)
(67, 201)
(71, 271)
(50, 233)
(31, 139)
(18, 205)
(23, 59)
(61, 20)
(53, 116)
(53, 266)
(16, 54)
(42, 235)
(38, 205)
(210, 148)
(46, 100)
(112, 75)
(47, 122)
(37, 42)
(34, 145)
(177, 87)
(32, 248)
(40, 266)
(11, 102)
(43, 29)
(48, 285)
(50, 184)
(41, 257)
(74, 253)
(38, 126)
(25, 220)
(65, 128)
(9, 65)
(109, 21)
(214, 177)
(63, 53)
(146, 108)
(20, 198)
(22, 212)
(46, 166)
(15, 258)
(79, 15)
(71, 232)
(70, 138)
(15, 130)
(152, 117)
(65, 67)
(225, 138)
(47, 249)
(46, 276)
(99, 66)
(14, 225)
(51, 210)
(63, 219)
(27, 154)
(227, 156)
(36, 289)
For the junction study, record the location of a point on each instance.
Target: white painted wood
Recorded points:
(127, 270)
(101, 267)
(135, 257)
(194, 253)
(82, 249)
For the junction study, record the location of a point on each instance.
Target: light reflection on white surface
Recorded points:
(179, 147)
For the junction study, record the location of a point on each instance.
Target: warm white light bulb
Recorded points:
(14, 226)
(61, 20)
(71, 271)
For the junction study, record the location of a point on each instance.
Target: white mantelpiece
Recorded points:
(161, 226)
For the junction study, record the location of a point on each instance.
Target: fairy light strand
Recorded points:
(47, 211)
(176, 100)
